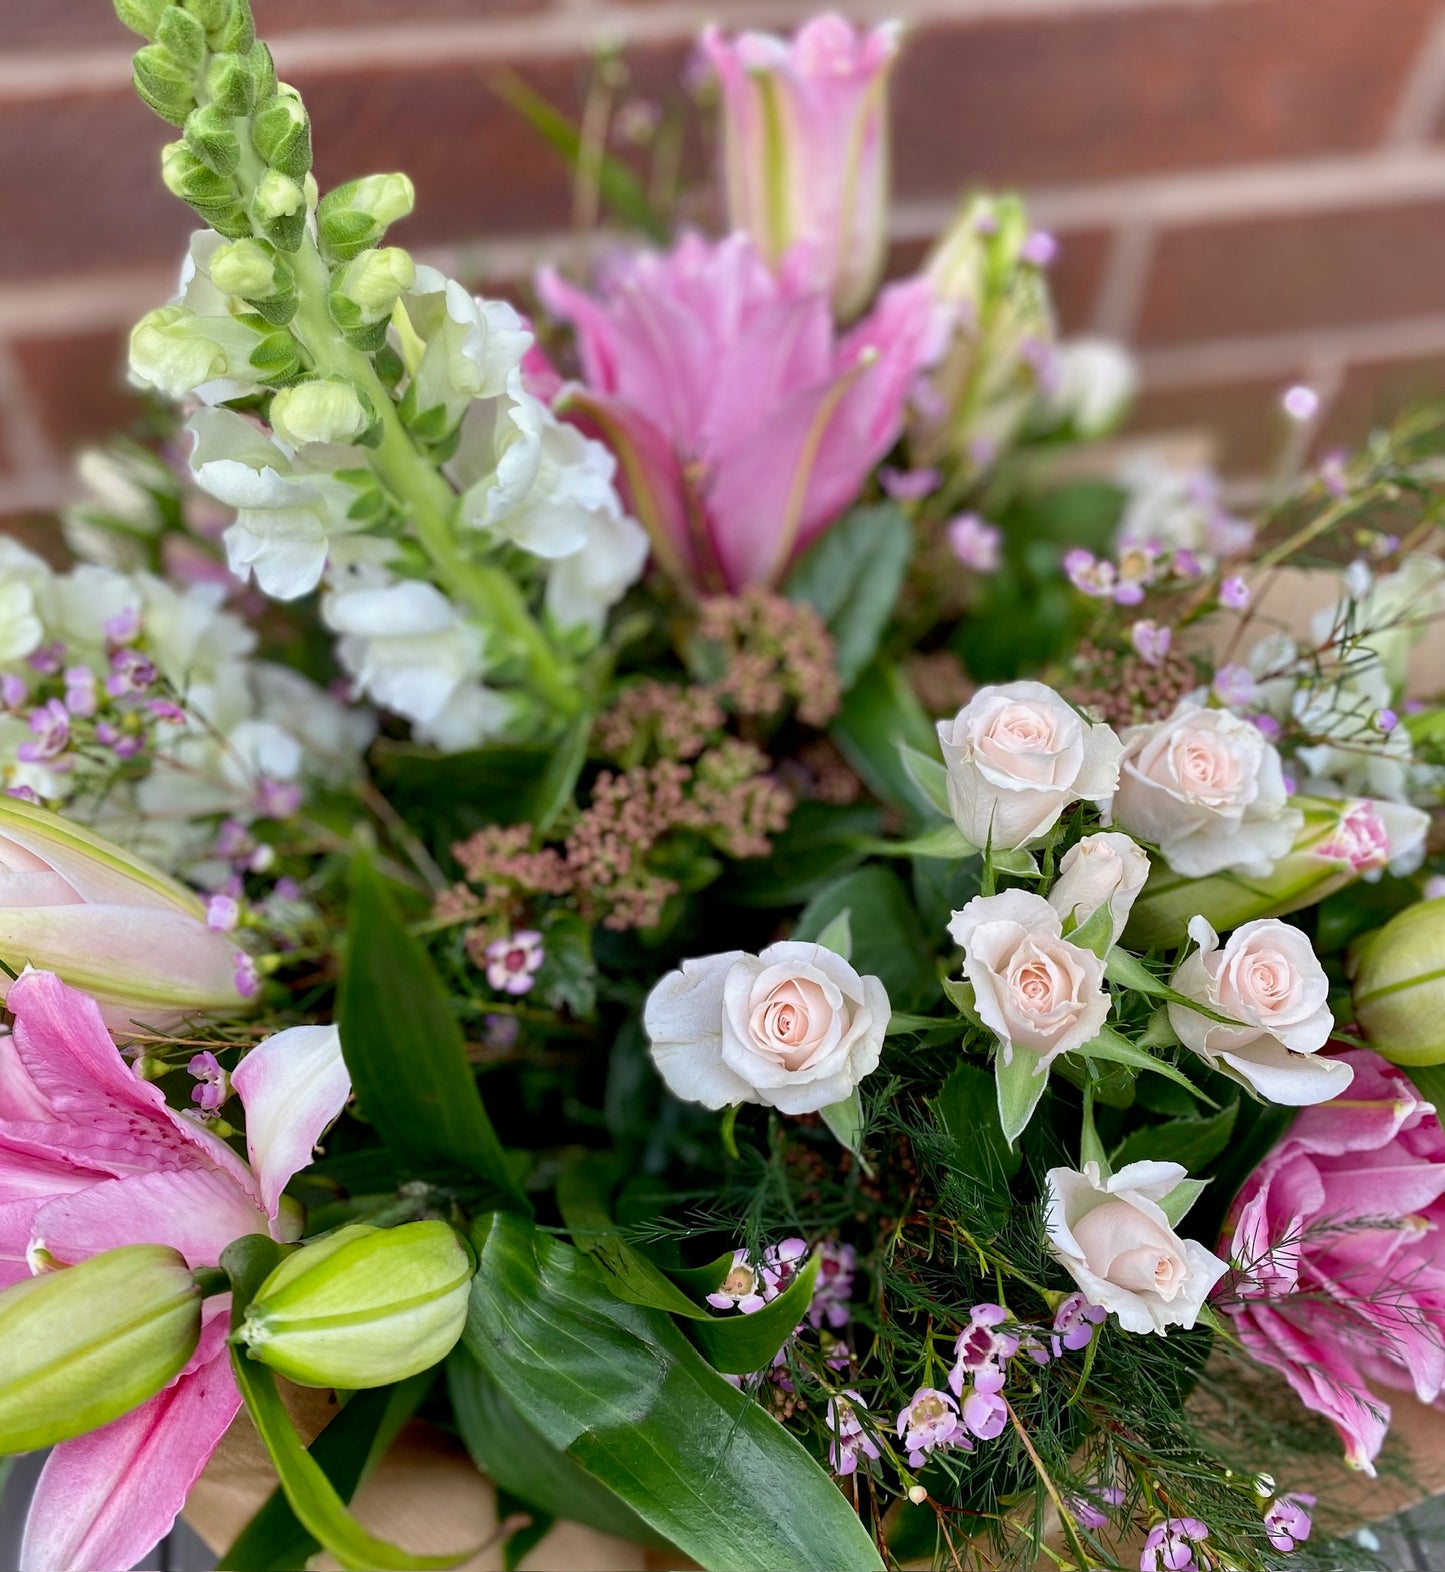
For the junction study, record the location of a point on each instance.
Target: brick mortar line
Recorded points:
(325, 51)
(1168, 368)
(1423, 94)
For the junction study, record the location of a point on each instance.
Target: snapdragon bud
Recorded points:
(210, 138)
(363, 1307)
(276, 358)
(237, 33)
(141, 16)
(247, 268)
(211, 14)
(1398, 978)
(230, 85)
(175, 351)
(364, 291)
(354, 217)
(281, 134)
(279, 209)
(182, 37)
(320, 412)
(164, 84)
(85, 1344)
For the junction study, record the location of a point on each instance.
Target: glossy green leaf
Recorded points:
(928, 774)
(1192, 1142)
(1019, 1090)
(558, 782)
(945, 841)
(1113, 1048)
(888, 940)
(1096, 934)
(1129, 972)
(837, 936)
(1175, 1206)
(821, 843)
(311, 1495)
(405, 1049)
(845, 1120)
(515, 1457)
(635, 1406)
(881, 714)
(346, 1451)
(851, 575)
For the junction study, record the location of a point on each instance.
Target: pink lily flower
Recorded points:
(1339, 1278)
(805, 139)
(92, 1158)
(742, 424)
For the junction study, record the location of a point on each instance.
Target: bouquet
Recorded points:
(697, 889)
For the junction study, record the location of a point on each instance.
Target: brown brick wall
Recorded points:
(1252, 192)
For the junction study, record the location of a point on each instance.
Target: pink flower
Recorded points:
(1360, 839)
(930, 1421)
(1337, 1236)
(1287, 1523)
(1151, 640)
(781, 1264)
(1170, 1546)
(50, 726)
(1234, 593)
(834, 1286)
(92, 1158)
(805, 138)
(982, 1349)
(743, 426)
(1089, 1509)
(741, 1289)
(975, 543)
(513, 962)
(1075, 1322)
(850, 1440)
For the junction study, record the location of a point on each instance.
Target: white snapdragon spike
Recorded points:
(1095, 382)
(411, 650)
(194, 349)
(455, 347)
(287, 510)
(585, 585)
(1116, 1241)
(1208, 790)
(1267, 978)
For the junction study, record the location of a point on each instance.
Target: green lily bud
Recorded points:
(209, 138)
(175, 351)
(141, 16)
(163, 84)
(279, 209)
(364, 290)
(353, 217)
(281, 134)
(88, 1343)
(363, 1307)
(247, 268)
(230, 85)
(1398, 977)
(320, 412)
(182, 37)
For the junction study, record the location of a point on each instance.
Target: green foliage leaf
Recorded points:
(1342, 917)
(880, 714)
(312, 1497)
(1096, 934)
(1175, 1206)
(837, 936)
(1019, 1090)
(404, 1048)
(455, 794)
(1192, 1142)
(845, 1120)
(928, 774)
(851, 575)
(820, 843)
(945, 841)
(888, 940)
(620, 1390)
(979, 1152)
(518, 1459)
(1110, 1046)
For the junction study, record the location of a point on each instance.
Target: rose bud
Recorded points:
(107, 923)
(362, 1307)
(1101, 870)
(88, 1343)
(1398, 977)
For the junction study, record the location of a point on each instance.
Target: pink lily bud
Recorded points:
(805, 136)
(108, 923)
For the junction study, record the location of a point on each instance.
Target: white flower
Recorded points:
(1268, 978)
(21, 629)
(583, 587)
(1207, 789)
(1115, 1241)
(1178, 510)
(1095, 381)
(1017, 756)
(1032, 988)
(1387, 615)
(287, 511)
(455, 347)
(795, 1028)
(1102, 868)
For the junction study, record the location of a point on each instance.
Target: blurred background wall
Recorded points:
(1250, 192)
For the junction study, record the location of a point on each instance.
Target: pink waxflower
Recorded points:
(1234, 593)
(1075, 1322)
(974, 542)
(1151, 641)
(513, 962)
(930, 1421)
(981, 1348)
(850, 1440)
(742, 1289)
(834, 1286)
(1339, 1270)
(92, 1158)
(781, 1264)
(1287, 1523)
(744, 426)
(1088, 573)
(80, 695)
(1235, 687)
(213, 1086)
(805, 142)
(1089, 1509)
(1170, 1546)
(50, 726)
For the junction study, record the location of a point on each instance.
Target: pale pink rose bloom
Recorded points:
(795, 1028)
(1207, 789)
(1032, 988)
(1115, 1241)
(743, 425)
(1268, 978)
(1336, 1239)
(1017, 756)
(92, 1158)
(1107, 868)
(805, 142)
